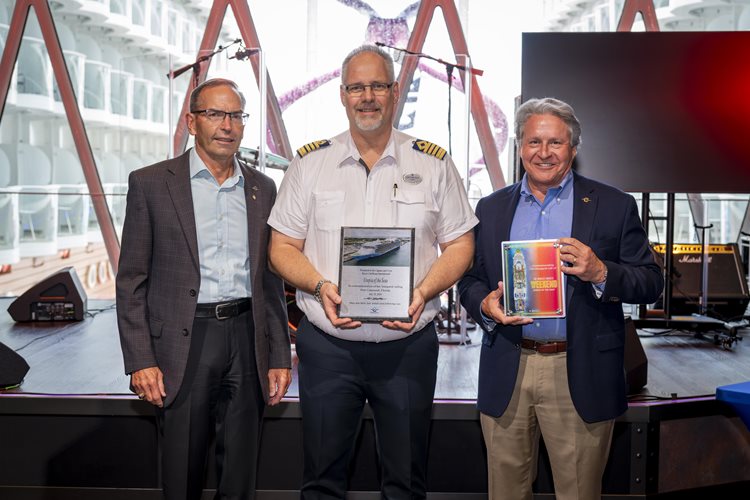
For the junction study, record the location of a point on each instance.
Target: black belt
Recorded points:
(223, 310)
(544, 347)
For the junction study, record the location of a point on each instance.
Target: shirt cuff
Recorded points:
(599, 289)
(489, 323)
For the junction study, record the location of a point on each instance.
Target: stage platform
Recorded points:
(72, 429)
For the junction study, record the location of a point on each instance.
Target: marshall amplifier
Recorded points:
(727, 287)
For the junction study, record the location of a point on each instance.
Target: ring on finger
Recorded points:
(141, 395)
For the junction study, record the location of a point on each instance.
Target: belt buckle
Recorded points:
(223, 307)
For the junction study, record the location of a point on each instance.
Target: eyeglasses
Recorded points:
(217, 115)
(357, 89)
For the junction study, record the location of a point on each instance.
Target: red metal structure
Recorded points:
(77, 129)
(250, 37)
(460, 47)
(633, 7)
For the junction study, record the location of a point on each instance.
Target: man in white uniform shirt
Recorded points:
(373, 176)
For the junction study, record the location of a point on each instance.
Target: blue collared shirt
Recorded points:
(547, 220)
(221, 227)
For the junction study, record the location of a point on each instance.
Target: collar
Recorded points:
(351, 153)
(198, 169)
(555, 191)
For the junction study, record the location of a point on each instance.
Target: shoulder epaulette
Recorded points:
(307, 148)
(429, 148)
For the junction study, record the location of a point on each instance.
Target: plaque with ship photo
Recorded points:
(376, 273)
(533, 281)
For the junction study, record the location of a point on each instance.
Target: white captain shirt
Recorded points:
(329, 188)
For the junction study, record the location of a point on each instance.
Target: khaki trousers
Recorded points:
(541, 404)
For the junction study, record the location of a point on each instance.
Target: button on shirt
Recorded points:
(221, 228)
(329, 188)
(547, 220)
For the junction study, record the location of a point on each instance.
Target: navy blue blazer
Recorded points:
(605, 219)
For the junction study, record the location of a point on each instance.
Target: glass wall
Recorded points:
(118, 53)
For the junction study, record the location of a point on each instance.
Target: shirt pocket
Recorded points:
(329, 210)
(411, 208)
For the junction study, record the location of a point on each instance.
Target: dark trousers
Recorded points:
(220, 396)
(336, 377)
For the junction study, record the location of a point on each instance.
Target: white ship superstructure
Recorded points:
(118, 53)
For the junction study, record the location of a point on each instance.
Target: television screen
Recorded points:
(660, 112)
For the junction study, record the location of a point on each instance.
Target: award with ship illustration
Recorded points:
(533, 283)
(376, 273)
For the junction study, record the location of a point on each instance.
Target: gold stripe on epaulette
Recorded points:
(307, 148)
(429, 148)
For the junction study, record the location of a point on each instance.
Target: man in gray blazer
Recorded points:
(202, 320)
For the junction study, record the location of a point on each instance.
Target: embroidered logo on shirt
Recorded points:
(412, 178)
(429, 148)
(312, 146)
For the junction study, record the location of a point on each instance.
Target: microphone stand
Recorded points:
(451, 321)
(195, 65)
(473, 71)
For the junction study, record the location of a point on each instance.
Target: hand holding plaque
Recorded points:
(376, 273)
(533, 280)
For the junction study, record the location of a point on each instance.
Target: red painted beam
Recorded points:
(633, 7)
(72, 111)
(460, 47)
(250, 37)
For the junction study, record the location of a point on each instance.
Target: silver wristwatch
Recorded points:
(316, 294)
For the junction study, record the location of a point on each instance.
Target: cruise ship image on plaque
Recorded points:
(375, 248)
(519, 281)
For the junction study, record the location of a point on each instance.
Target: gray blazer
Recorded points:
(159, 278)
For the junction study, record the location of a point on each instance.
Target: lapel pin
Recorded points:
(254, 188)
(586, 199)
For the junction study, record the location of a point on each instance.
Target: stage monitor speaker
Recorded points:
(58, 297)
(636, 363)
(727, 287)
(13, 368)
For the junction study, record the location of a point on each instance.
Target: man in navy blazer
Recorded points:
(561, 378)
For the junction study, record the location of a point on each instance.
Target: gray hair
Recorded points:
(549, 106)
(214, 82)
(375, 50)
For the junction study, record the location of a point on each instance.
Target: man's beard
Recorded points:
(368, 125)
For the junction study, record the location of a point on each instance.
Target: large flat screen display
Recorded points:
(660, 112)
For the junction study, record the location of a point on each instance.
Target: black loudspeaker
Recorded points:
(636, 363)
(58, 297)
(13, 367)
(727, 287)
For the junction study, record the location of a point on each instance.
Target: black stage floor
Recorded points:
(84, 359)
(674, 438)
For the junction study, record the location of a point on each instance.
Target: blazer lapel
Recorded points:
(509, 205)
(253, 208)
(585, 202)
(178, 185)
(499, 219)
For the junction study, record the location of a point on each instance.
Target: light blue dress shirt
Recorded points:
(221, 227)
(547, 220)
